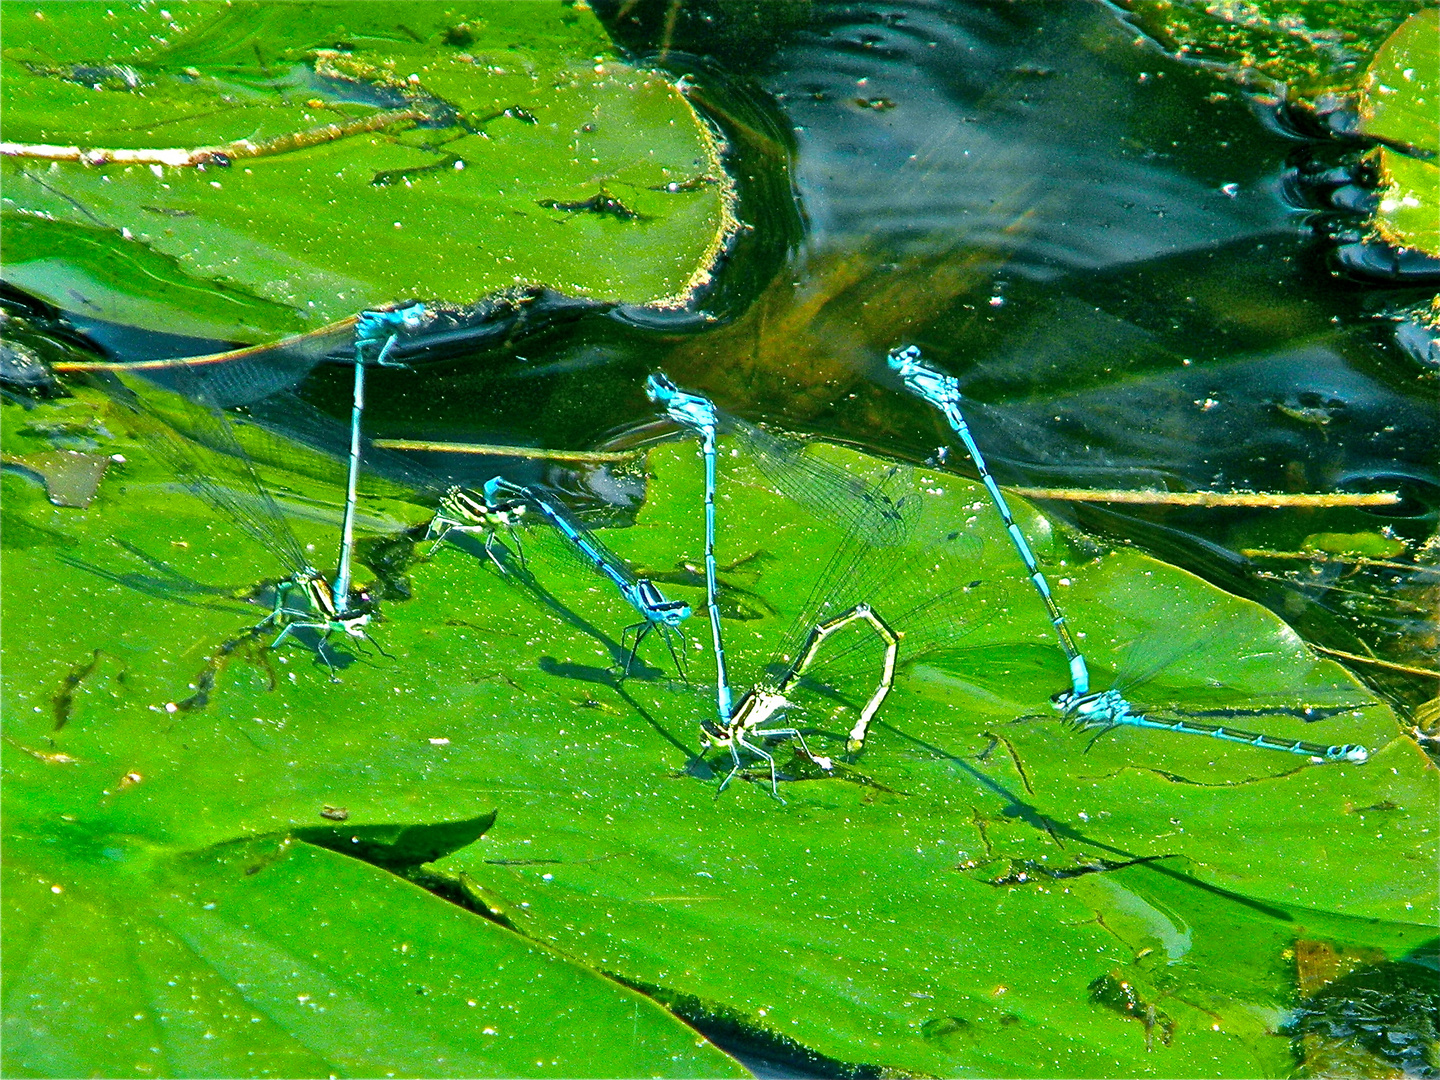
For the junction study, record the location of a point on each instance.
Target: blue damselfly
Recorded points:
(825, 491)
(305, 600)
(943, 392)
(656, 611)
(1158, 657)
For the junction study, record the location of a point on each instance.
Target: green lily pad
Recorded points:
(1408, 214)
(969, 895)
(1310, 45)
(360, 156)
(1398, 101)
(271, 956)
(1398, 96)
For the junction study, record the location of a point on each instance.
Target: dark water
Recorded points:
(1094, 237)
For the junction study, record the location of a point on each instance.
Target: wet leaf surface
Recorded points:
(1309, 44)
(505, 123)
(1398, 106)
(271, 956)
(1398, 94)
(943, 904)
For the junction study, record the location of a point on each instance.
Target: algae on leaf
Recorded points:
(340, 156)
(1310, 45)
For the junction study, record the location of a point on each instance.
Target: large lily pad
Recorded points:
(950, 902)
(275, 957)
(1398, 106)
(440, 155)
(1308, 44)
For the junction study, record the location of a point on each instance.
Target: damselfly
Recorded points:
(870, 608)
(1101, 711)
(943, 392)
(376, 332)
(824, 490)
(487, 510)
(1083, 708)
(656, 612)
(305, 600)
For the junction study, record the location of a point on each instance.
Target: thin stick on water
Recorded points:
(1357, 561)
(535, 453)
(1211, 498)
(180, 157)
(1390, 665)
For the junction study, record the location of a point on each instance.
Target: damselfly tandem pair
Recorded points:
(874, 522)
(878, 583)
(191, 423)
(1078, 704)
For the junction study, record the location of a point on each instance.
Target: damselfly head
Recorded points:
(412, 316)
(373, 325)
(659, 388)
(1350, 752)
(712, 734)
(903, 356)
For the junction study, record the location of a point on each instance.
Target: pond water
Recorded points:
(1093, 236)
(1106, 246)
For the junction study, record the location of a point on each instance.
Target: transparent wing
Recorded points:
(930, 600)
(292, 418)
(1195, 672)
(928, 596)
(826, 490)
(176, 435)
(545, 504)
(244, 375)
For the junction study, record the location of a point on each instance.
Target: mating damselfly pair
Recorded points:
(877, 528)
(889, 581)
(181, 422)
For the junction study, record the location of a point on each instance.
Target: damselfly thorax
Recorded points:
(470, 507)
(467, 510)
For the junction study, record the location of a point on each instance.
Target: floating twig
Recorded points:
(1212, 498)
(1375, 660)
(179, 157)
(500, 450)
(1358, 561)
(318, 340)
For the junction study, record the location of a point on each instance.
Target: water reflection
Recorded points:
(1092, 236)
